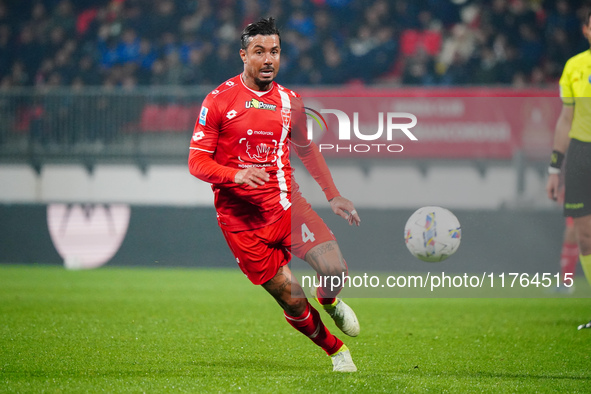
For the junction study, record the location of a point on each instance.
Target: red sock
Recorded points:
(569, 258)
(323, 296)
(310, 324)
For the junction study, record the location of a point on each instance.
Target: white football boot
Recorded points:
(344, 317)
(342, 361)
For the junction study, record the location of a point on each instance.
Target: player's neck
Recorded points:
(252, 85)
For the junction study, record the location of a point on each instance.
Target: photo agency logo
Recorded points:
(368, 132)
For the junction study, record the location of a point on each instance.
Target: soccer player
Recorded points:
(241, 144)
(573, 132)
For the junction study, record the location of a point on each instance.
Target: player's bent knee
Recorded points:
(334, 271)
(327, 259)
(295, 306)
(338, 268)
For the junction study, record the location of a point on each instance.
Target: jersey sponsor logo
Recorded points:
(215, 91)
(203, 115)
(254, 103)
(231, 114)
(198, 135)
(258, 132)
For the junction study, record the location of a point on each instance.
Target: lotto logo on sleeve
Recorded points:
(198, 135)
(203, 115)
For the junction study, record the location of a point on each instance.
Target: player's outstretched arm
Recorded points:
(317, 167)
(314, 162)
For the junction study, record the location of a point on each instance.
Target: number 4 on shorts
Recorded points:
(307, 235)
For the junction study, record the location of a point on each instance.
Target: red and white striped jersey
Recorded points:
(242, 128)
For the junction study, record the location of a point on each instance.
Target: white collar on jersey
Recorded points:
(258, 93)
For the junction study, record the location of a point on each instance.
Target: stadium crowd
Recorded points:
(184, 42)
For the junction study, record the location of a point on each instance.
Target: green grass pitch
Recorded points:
(181, 330)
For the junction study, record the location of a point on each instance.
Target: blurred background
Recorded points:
(130, 43)
(98, 99)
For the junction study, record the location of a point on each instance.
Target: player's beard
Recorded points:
(263, 83)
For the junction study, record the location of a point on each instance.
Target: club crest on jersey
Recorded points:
(203, 115)
(254, 103)
(286, 116)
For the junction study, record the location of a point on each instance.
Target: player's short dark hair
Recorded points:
(265, 27)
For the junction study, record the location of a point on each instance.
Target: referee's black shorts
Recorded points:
(577, 179)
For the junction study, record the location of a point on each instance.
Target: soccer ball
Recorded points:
(432, 234)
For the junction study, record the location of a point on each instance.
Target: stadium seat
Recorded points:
(412, 40)
(151, 119)
(176, 118)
